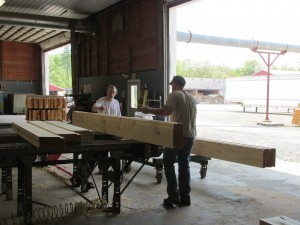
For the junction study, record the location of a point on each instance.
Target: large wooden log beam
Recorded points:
(38, 137)
(233, 152)
(166, 134)
(70, 136)
(86, 134)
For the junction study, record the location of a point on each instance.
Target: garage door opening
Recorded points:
(58, 72)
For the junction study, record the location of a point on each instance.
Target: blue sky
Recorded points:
(264, 20)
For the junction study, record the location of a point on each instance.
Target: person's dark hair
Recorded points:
(179, 80)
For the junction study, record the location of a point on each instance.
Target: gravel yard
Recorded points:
(230, 123)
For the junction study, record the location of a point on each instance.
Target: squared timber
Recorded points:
(86, 134)
(38, 137)
(70, 136)
(166, 134)
(233, 152)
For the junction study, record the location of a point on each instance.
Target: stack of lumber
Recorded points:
(48, 135)
(167, 134)
(296, 115)
(240, 153)
(44, 107)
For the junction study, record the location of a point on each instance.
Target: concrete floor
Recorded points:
(230, 194)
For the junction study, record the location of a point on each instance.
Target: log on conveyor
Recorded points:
(166, 134)
(38, 137)
(234, 152)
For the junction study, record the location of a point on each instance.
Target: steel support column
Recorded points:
(268, 63)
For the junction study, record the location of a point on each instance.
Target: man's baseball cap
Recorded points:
(179, 80)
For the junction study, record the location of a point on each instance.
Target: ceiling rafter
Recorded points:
(30, 32)
(46, 36)
(35, 33)
(8, 32)
(36, 21)
(18, 32)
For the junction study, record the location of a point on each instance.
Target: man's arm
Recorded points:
(163, 111)
(97, 107)
(94, 108)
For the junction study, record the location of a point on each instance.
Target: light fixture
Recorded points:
(2, 2)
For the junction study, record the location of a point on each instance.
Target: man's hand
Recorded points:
(101, 108)
(98, 109)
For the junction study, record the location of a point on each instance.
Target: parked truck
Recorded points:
(251, 91)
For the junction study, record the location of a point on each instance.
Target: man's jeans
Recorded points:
(184, 178)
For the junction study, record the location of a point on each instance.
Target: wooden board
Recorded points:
(280, 220)
(70, 136)
(234, 152)
(37, 136)
(86, 134)
(166, 134)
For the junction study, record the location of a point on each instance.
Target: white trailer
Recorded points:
(251, 91)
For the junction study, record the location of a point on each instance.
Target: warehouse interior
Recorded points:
(108, 44)
(125, 43)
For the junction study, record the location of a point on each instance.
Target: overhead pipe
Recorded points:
(45, 22)
(255, 45)
(252, 44)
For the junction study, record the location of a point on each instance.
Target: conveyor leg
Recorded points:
(105, 166)
(27, 173)
(75, 178)
(117, 177)
(8, 183)
(7, 180)
(20, 198)
(84, 176)
(3, 181)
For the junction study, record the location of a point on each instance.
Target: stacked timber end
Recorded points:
(161, 133)
(44, 107)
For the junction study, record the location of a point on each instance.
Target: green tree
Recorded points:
(188, 68)
(250, 67)
(60, 68)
